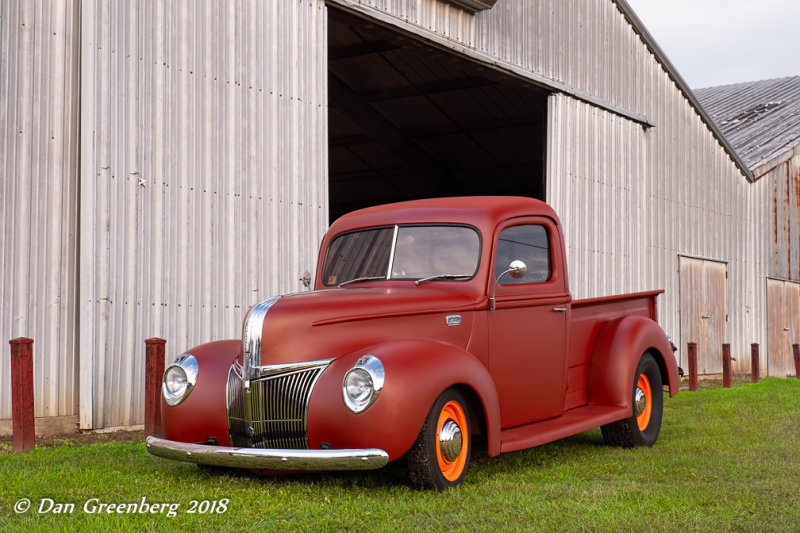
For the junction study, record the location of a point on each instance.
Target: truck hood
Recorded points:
(329, 323)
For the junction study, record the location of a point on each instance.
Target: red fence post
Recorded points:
(692, 354)
(754, 363)
(796, 350)
(726, 366)
(22, 394)
(152, 386)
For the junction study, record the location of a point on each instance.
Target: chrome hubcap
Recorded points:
(640, 401)
(450, 440)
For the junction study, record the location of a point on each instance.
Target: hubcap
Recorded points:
(450, 440)
(640, 402)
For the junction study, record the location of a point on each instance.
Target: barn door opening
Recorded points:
(783, 324)
(704, 311)
(410, 120)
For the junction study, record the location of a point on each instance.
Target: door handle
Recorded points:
(560, 309)
(705, 317)
(785, 329)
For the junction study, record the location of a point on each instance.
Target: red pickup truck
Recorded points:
(434, 327)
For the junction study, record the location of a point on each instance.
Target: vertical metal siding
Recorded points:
(211, 175)
(209, 169)
(784, 325)
(39, 73)
(574, 42)
(599, 190)
(784, 218)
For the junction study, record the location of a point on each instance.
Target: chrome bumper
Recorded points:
(258, 458)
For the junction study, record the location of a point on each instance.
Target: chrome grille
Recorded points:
(272, 412)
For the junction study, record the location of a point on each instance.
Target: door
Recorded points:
(783, 326)
(527, 329)
(704, 311)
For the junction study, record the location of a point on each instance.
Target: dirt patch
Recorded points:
(715, 382)
(77, 439)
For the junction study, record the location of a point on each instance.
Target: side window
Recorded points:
(528, 243)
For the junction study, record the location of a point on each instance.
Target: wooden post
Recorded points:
(22, 394)
(154, 371)
(726, 366)
(754, 363)
(796, 350)
(692, 366)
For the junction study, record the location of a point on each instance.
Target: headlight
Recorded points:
(363, 383)
(179, 379)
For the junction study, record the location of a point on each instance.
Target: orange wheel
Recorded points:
(641, 428)
(440, 456)
(643, 402)
(451, 453)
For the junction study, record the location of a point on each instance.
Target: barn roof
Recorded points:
(761, 119)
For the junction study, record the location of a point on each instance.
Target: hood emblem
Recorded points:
(453, 320)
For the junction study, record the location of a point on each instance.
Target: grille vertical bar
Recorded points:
(272, 412)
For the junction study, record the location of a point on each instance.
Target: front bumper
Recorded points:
(266, 459)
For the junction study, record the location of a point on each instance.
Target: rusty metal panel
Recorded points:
(39, 81)
(691, 309)
(209, 174)
(783, 299)
(784, 218)
(704, 310)
(716, 316)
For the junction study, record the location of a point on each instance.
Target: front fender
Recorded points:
(616, 354)
(417, 372)
(204, 413)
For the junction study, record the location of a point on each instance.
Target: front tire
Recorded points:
(440, 456)
(642, 428)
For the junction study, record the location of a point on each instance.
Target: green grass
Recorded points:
(726, 460)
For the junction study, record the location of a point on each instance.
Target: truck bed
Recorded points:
(587, 320)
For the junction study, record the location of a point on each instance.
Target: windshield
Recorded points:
(402, 252)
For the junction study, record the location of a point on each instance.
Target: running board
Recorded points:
(570, 423)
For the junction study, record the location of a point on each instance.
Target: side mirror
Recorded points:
(306, 280)
(517, 269)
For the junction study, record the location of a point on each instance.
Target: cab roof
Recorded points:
(483, 212)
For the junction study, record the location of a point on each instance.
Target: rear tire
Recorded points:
(440, 456)
(644, 424)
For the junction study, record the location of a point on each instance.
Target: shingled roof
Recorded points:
(760, 119)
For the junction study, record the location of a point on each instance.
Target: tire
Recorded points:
(644, 424)
(439, 460)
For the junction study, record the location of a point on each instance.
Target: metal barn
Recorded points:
(168, 164)
(762, 121)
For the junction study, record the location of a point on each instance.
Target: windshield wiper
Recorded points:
(359, 280)
(441, 276)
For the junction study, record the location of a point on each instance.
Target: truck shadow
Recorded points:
(395, 474)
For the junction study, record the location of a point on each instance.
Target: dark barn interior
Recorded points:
(408, 120)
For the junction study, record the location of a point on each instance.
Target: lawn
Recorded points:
(727, 459)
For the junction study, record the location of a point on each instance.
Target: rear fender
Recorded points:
(616, 354)
(416, 373)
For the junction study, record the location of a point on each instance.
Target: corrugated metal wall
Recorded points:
(660, 193)
(204, 177)
(39, 74)
(784, 218)
(209, 176)
(571, 42)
